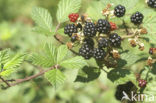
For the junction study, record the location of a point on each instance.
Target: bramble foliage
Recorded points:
(135, 43)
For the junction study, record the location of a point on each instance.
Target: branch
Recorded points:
(8, 85)
(18, 81)
(59, 40)
(125, 26)
(128, 36)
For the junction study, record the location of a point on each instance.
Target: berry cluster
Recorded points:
(96, 38)
(92, 32)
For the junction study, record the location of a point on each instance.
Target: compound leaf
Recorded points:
(55, 77)
(65, 7)
(74, 63)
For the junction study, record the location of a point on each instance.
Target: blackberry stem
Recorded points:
(60, 41)
(125, 26)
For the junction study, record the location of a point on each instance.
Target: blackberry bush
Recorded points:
(119, 11)
(103, 26)
(137, 18)
(70, 29)
(93, 46)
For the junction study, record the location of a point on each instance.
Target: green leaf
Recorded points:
(12, 64)
(55, 77)
(43, 31)
(150, 24)
(129, 4)
(94, 11)
(87, 74)
(15, 61)
(65, 7)
(74, 63)
(121, 76)
(46, 58)
(127, 59)
(43, 19)
(61, 53)
(4, 56)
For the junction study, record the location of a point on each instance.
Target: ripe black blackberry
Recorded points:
(89, 41)
(70, 29)
(115, 40)
(103, 26)
(119, 11)
(137, 18)
(99, 53)
(152, 3)
(86, 51)
(89, 29)
(102, 43)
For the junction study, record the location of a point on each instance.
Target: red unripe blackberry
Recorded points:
(137, 18)
(103, 42)
(103, 26)
(115, 40)
(113, 26)
(86, 51)
(70, 29)
(99, 53)
(119, 11)
(152, 3)
(89, 29)
(142, 83)
(151, 51)
(73, 17)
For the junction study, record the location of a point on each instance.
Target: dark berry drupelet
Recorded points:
(99, 53)
(89, 29)
(73, 38)
(89, 41)
(103, 42)
(142, 83)
(119, 11)
(86, 51)
(103, 26)
(152, 3)
(70, 29)
(137, 18)
(115, 40)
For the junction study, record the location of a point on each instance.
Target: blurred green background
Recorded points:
(16, 33)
